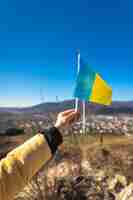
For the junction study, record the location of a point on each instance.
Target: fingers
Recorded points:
(66, 118)
(77, 116)
(66, 112)
(73, 116)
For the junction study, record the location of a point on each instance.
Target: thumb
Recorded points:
(71, 117)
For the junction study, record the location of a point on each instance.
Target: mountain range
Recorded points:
(117, 107)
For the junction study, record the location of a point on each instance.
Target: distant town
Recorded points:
(116, 119)
(119, 125)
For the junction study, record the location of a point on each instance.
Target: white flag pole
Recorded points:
(78, 68)
(84, 117)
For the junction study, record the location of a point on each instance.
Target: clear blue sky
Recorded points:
(38, 41)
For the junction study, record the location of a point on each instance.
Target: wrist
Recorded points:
(59, 128)
(53, 137)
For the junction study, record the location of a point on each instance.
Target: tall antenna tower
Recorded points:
(57, 99)
(41, 95)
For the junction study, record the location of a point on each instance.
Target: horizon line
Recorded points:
(32, 105)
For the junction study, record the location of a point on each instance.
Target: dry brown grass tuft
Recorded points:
(85, 170)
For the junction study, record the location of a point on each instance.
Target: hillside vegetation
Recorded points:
(84, 169)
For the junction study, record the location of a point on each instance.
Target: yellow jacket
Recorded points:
(21, 164)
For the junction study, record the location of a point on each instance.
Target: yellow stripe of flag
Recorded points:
(101, 93)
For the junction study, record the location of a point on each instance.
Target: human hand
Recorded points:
(66, 118)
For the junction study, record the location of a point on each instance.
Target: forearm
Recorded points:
(21, 165)
(31, 156)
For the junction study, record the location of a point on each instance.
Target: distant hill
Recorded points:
(117, 107)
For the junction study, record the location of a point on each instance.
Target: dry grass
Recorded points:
(84, 170)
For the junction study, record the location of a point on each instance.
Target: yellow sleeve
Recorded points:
(21, 164)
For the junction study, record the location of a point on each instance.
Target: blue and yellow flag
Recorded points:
(91, 87)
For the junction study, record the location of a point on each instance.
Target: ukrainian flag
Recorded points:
(91, 87)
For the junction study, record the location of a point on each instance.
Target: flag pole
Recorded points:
(84, 117)
(78, 68)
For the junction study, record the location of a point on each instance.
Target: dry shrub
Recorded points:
(83, 171)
